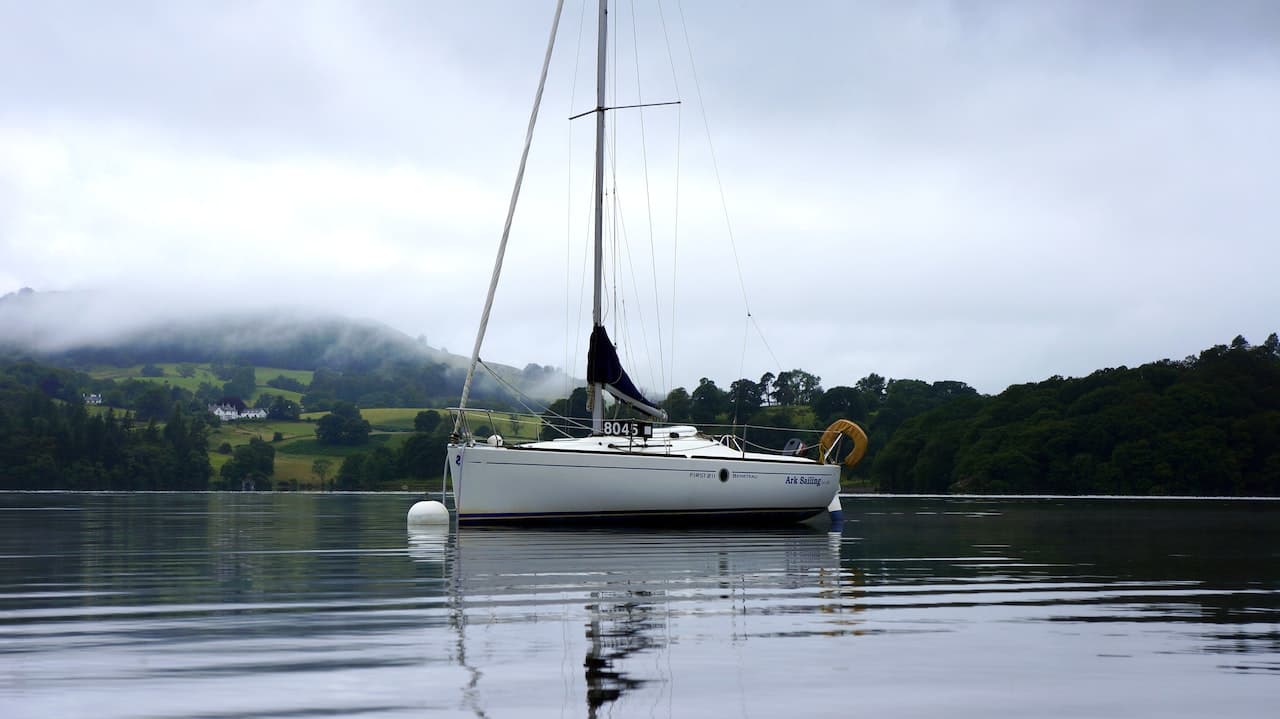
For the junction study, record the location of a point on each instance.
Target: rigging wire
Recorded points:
(765, 341)
(568, 211)
(644, 154)
(675, 247)
(582, 287)
(711, 146)
(618, 241)
(618, 245)
(613, 176)
(575, 422)
(675, 231)
(742, 364)
(511, 211)
(620, 291)
(588, 224)
(617, 237)
(724, 203)
(521, 397)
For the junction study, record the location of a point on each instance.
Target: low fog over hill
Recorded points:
(82, 329)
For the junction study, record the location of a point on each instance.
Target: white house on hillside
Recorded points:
(228, 413)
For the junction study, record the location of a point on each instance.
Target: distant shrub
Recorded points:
(426, 421)
(286, 383)
(344, 425)
(224, 448)
(277, 437)
(150, 370)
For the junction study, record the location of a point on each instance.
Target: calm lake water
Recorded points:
(305, 605)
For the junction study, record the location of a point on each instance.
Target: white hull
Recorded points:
(542, 481)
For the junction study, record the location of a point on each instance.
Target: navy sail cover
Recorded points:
(603, 367)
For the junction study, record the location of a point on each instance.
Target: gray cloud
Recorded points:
(994, 192)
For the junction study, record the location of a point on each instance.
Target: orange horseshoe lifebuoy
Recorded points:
(850, 430)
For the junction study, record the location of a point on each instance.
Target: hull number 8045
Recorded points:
(628, 428)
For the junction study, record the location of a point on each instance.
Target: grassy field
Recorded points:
(400, 419)
(395, 418)
(202, 374)
(388, 419)
(313, 448)
(171, 376)
(513, 427)
(238, 433)
(298, 449)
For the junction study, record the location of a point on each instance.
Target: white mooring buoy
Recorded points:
(428, 512)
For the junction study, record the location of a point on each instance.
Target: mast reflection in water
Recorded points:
(627, 590)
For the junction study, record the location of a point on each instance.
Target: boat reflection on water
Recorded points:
(629, 608)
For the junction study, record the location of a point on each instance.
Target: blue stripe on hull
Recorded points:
(754, 516)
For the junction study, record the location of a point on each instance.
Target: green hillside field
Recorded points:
(387, 419)
(297, 450)
(400, 419)
(203, 374)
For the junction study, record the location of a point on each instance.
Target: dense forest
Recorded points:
(45, 444)
(421, 457)
(150, 436)
(1204, 425)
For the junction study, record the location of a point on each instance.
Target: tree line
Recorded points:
(47, 444)
(1205, 425)
(768, 412)
(420, 457)
(406, 382)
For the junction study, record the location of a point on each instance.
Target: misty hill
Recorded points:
(87, 329)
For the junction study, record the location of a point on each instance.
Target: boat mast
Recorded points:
(597, 388)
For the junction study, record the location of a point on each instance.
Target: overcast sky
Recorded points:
(994, 192)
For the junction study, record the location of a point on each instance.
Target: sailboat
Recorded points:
(630, 470)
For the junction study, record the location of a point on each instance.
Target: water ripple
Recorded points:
(314, 605)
